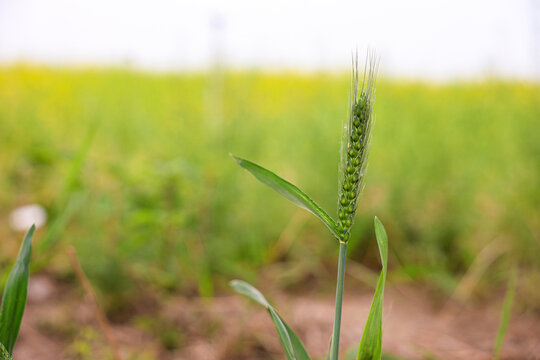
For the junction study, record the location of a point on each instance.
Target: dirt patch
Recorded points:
(60, 324)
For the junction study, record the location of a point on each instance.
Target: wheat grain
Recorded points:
(355, 146)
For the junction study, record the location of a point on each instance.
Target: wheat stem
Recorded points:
(339, 300)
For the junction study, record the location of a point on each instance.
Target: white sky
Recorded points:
(414, 38)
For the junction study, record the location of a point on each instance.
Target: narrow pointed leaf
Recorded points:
(371, 343)
(299, 350)
(329, 348)
(4, 355)
(293, 347)
(288, 191)
(283, 334)
(14, 298)
(505, 313)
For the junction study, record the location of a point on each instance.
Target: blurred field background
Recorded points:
(154, 197)
(454, 168)
(133, 169)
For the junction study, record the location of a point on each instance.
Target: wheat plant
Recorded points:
(355, 147)
(14, 298)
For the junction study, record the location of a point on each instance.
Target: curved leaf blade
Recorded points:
(249, 291)
(289, 191)
(505, 313)
(293, 347)
(329, 348)
(283, 334)
(14, 298)
(371, 343)
(299, 349)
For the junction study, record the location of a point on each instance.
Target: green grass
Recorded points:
(14, 298)
(452, 167)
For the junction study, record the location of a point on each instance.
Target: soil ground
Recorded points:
(60, 324)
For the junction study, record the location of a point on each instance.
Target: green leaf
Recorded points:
(70, 198)
(14, 298)
(505, 314)
(371, 343)
(249, 291)
(329, 348)
(283, 334)
(4, 355)
(288, 191)
(293, 347)
(58, 224)
(299, 349)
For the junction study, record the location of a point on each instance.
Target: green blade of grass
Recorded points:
(299, 349)
(329, 348)
(283, 334)
(371, 343)
(54, 231)
(293, 347)
(288, 191)
(75, 170)
(14, 298)
(505, 314)
(4, 355)
(70, 198)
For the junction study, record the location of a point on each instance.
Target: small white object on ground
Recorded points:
(23, 217)
(40, 288)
